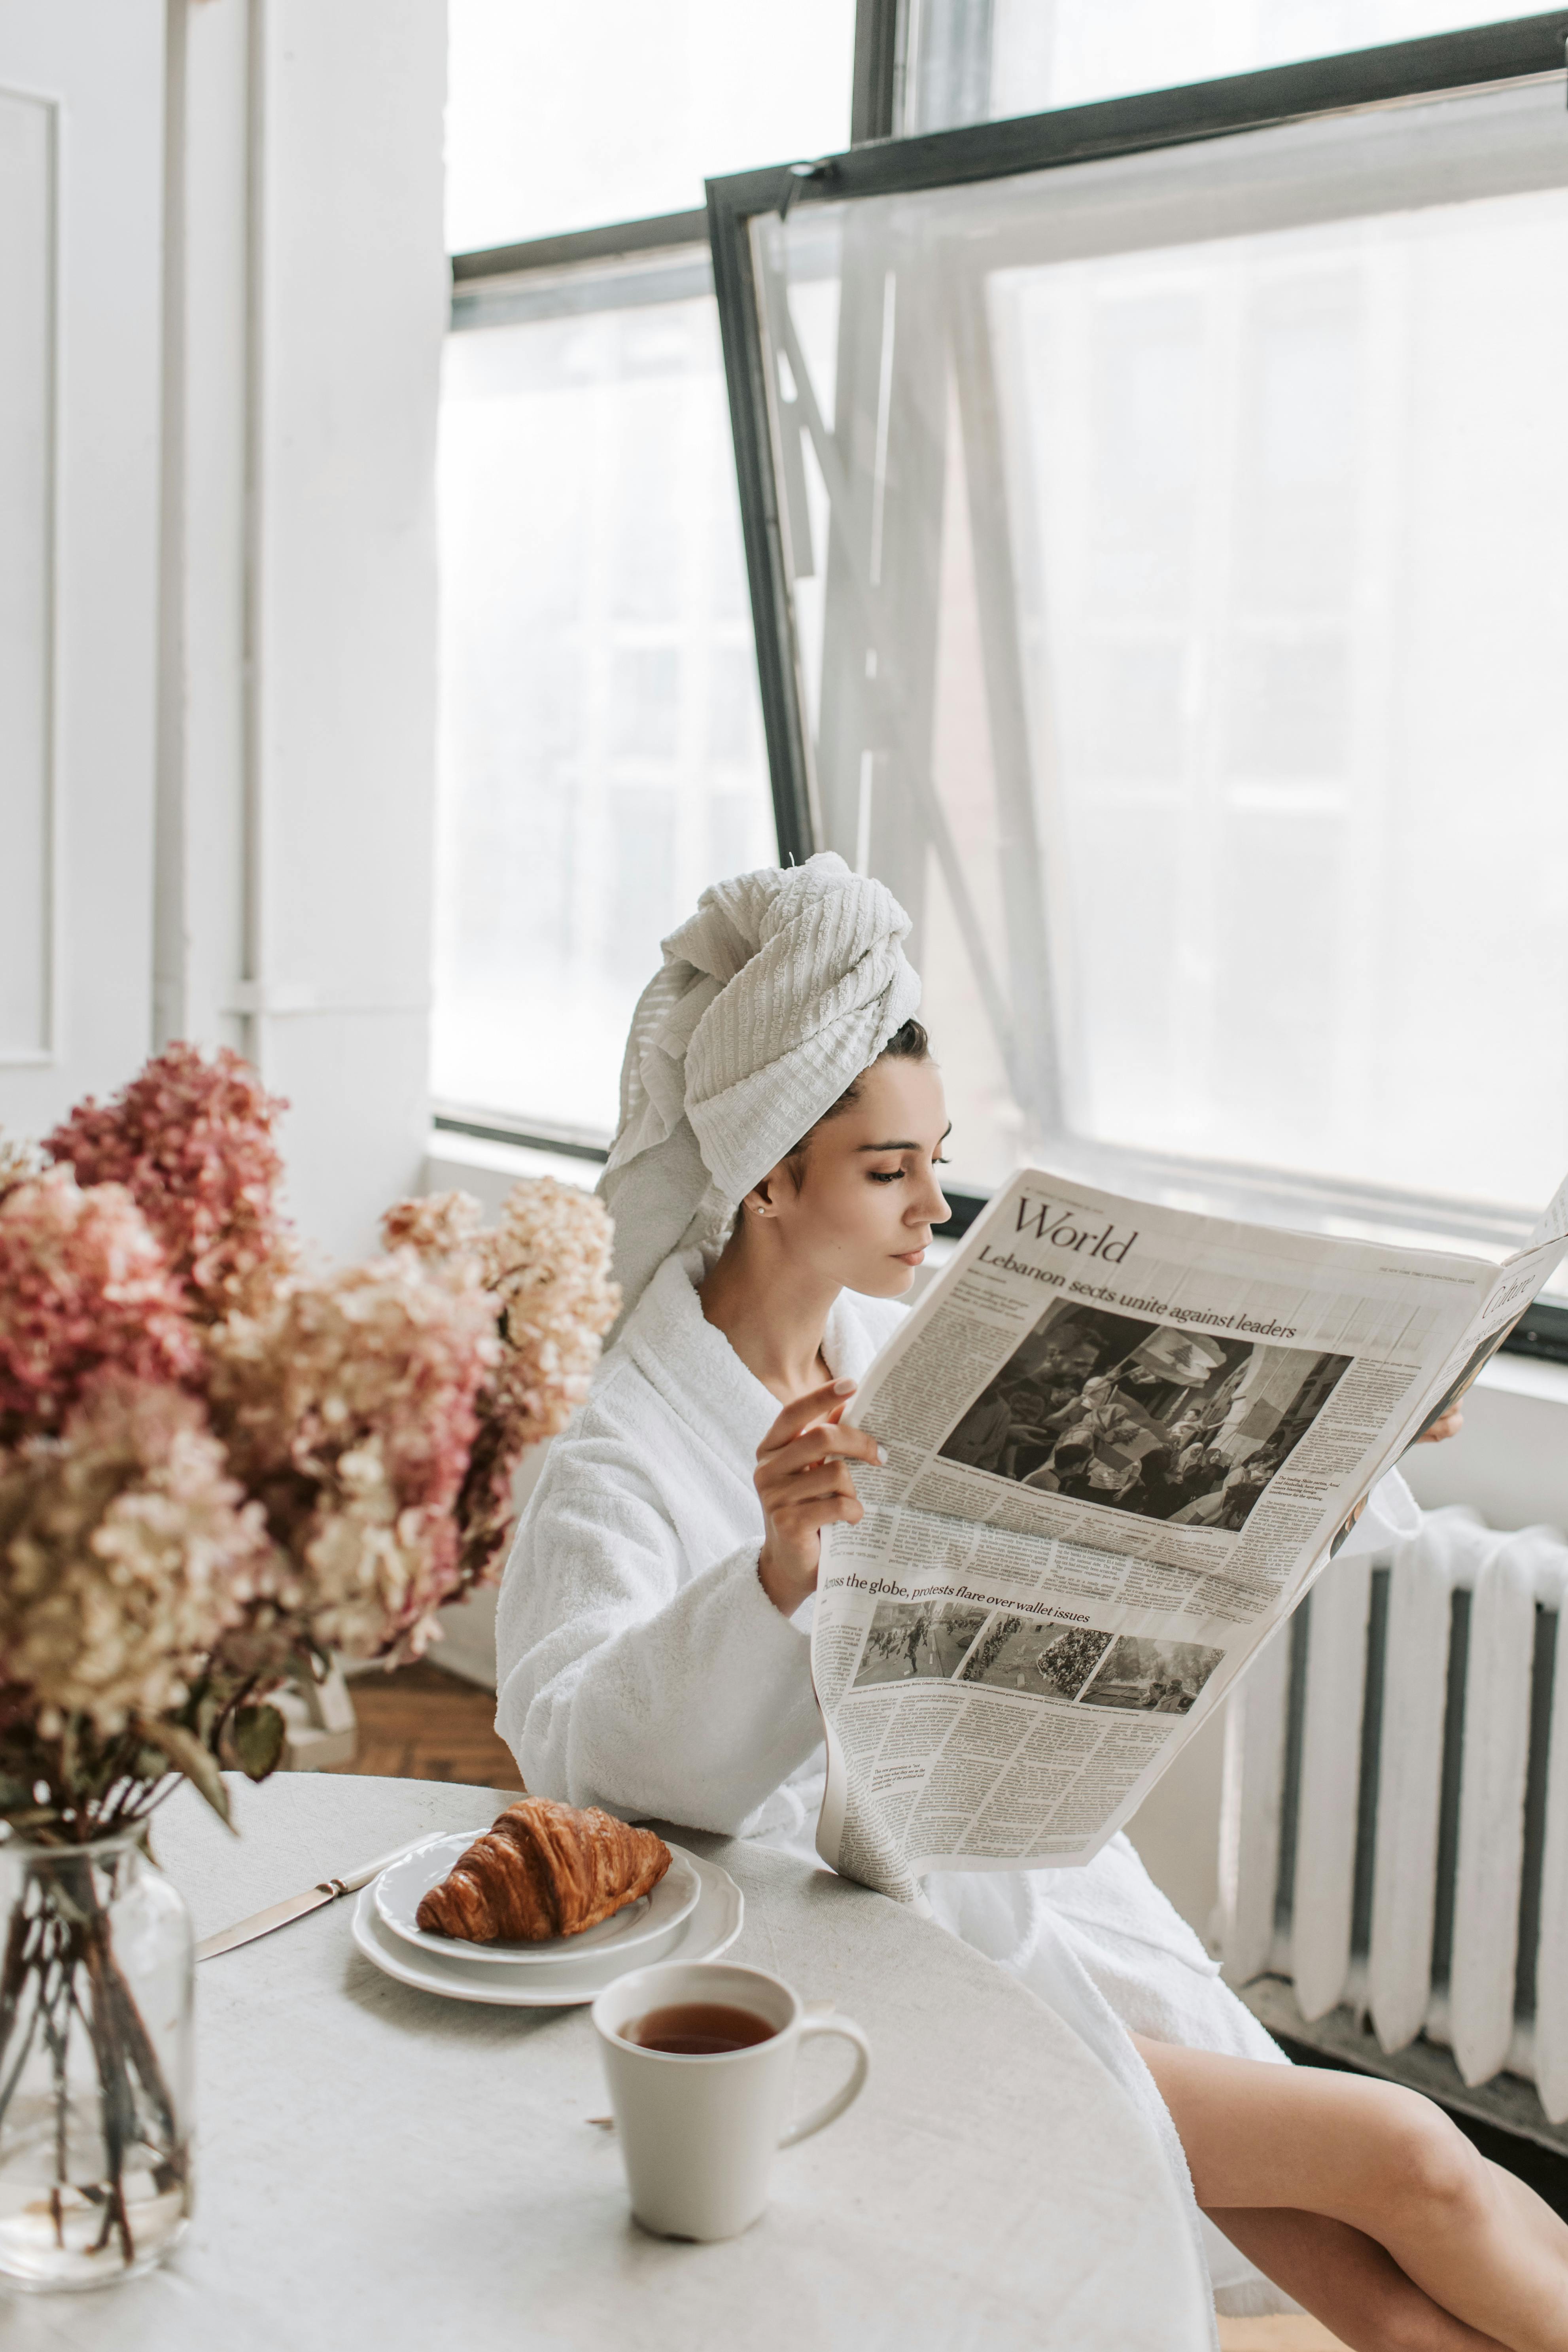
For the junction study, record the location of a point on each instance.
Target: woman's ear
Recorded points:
(763, 1200)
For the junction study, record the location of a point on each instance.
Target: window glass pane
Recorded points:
(602, 755)
(1184, 556)
(979, 60)
(566, 117)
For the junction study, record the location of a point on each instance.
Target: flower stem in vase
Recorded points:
(94, 2061)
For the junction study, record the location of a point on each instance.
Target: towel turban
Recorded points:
(783, 987)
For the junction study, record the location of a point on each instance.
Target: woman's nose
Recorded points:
(930, 1206)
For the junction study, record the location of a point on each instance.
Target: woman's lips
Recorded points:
(912, 1257)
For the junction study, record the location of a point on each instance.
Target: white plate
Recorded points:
(648, 1927)
(707, 1931)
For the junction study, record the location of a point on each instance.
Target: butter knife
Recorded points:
(297, 1906)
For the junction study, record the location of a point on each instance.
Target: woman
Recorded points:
(652, 1631)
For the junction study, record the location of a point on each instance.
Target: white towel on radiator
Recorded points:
(642, 1668)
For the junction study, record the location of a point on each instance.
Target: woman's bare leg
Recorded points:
(1386, 2162)
(1346, 2280)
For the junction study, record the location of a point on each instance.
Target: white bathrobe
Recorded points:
(642, 1667)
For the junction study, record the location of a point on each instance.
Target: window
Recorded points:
(602, 757)
(1171, 585)
(566, 118)
(1164, 597)
(978, 60)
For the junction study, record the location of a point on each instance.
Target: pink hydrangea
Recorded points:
(349, 1410)
(84, 1290)
(192, 1139)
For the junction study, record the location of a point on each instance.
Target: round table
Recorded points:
(379, 2168)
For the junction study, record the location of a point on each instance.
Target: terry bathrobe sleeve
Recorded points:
(624, 1686)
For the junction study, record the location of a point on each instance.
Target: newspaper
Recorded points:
(1121, 1441)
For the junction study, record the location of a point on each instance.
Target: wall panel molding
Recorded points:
(306, 294)
(81, 228)
(29, 270)
(252, 296)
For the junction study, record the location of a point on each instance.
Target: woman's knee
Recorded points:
(1425, 2164)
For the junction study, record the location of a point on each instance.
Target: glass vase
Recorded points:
(95, 2062)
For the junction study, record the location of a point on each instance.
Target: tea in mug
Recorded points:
(698, 2029)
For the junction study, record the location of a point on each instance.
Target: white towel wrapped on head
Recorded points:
(781, 988)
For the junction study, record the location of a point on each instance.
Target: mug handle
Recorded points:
(832, 2108)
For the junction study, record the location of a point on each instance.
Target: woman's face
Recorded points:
(868, 1194)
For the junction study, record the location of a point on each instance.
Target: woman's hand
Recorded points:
(1450, 1425)
(804, 1485)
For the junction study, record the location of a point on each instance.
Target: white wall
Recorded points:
(256, 302)
(355, 300)
(1510, 1462)
(81, 133)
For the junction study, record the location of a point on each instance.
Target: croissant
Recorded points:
(541, 1870)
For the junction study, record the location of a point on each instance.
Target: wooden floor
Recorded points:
(420, 1724)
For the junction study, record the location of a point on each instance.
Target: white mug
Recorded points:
(698, 2134)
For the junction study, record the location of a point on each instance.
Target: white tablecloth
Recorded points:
(379, 2169)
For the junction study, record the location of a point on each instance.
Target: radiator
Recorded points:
(1395, 1822)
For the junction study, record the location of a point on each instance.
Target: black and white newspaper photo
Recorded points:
(1120, 1440)
(1142, 1417)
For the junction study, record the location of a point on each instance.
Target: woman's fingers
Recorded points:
(1453, 1420)
(804, 1519)
(803, 1486)
(807, 1486)
(825, 1442)
(815, 1405)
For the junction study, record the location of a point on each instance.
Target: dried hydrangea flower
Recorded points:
(349, 1410)
(441, 1228)
(547, 1263)
(85, 1289)
(125, 1551)
(19, 1163)
(192, 1139)
(546, 1267)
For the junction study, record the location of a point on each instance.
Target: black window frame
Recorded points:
(1512, 51)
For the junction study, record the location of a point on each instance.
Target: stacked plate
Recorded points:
(693, 1914)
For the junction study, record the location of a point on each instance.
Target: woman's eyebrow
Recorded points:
(946, 1132)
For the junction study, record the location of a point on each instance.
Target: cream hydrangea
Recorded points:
(547, 1263)
(19, 1162)
(546, 1271)
(126, 1549)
